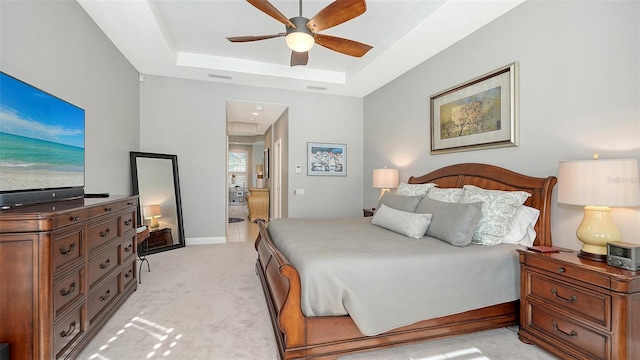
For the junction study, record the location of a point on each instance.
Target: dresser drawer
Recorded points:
(103, 296)
(73, 217)
(128, 273)
(101, 233)
(593, 344)
(68, 289)
(129, 246)
(67, 330)
(67, 247)
(107, 208)
(570, 271)
(104, 264)
(595, 307)
(128, 221)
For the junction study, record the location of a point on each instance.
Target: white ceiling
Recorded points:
(187, 39)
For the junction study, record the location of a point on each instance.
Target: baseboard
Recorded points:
(205, 240)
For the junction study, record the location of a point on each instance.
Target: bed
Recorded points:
(328, 337)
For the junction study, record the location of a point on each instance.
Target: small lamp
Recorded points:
(152, 212)
(597, 185)
(385, 179)
(260, 176)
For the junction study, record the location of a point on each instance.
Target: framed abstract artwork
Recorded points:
(481, 113)
(326, 159)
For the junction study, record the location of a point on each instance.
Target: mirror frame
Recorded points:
(134, 156)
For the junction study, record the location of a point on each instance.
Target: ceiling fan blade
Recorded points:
(299, 58)
(267, 8)
(254, 37)
(336, 13)
(345, 46)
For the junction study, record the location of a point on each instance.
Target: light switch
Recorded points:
(298, 169)
(299, 192)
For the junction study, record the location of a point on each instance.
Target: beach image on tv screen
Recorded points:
(41, 139)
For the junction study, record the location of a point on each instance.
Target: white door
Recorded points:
(277, 179)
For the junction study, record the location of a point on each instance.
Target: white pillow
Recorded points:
(522, 231)
(406, 223)
(498, 210)
(414, 189)
(451, 195)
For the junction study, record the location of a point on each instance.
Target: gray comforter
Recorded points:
(385, 280)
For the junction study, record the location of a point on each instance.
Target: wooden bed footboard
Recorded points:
(329, 337)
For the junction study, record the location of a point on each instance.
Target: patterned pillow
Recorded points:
(406, 223)
(452, 195)
(414, 189)
(498, 210)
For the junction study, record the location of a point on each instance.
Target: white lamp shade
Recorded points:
(385, 178)
(613, 183)
(152, 211)
(299, 41)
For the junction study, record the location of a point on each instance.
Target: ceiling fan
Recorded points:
(301, 33)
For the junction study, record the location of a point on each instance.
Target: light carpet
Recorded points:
(205, 302)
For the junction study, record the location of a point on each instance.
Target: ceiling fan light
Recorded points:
(299, 41)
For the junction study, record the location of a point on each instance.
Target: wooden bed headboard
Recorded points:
(496, 178)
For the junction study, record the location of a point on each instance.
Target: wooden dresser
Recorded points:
(65, 267)
(577, 308)
(258, 203)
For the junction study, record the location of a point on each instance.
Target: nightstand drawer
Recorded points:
(595, 307)
(563, 269)
(592, 344)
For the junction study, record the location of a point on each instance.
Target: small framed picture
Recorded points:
(326, 159)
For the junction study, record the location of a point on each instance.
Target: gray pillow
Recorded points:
(451, 222)
(406, 223)
(400, 202)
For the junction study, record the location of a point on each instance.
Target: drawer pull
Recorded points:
(105, 233)
(64, 251)
(127, 222)
(105, 264)
(573, 298)
(74, 218)
(561, 270)
(128, 274)
(72, 329)
(107, 209)
(105, 296)
(72, 288)
(128, 248)
(129, 204)
(556, 328)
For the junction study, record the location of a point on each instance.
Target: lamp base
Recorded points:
(592, 257)
(154, 224)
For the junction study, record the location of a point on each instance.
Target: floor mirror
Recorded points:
(154, 177)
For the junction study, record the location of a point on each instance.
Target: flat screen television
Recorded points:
(41, 145)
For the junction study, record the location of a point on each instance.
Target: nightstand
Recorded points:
(160, 237)
(577, 308)
(368, 212)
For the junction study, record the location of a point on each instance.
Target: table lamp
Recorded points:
(152, 212)
(598, 185)
(385, 179)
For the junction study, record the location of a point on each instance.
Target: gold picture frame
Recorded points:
(479, 114)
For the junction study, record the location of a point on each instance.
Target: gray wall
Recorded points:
(579, 95)
(55, 46)
(187, 118)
